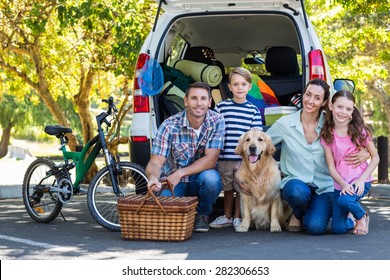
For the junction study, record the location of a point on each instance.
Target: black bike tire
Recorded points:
(55, 210)
(96, 210)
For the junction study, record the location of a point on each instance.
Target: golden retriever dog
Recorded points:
(259, 174)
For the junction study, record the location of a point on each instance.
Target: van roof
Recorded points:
(233, 5)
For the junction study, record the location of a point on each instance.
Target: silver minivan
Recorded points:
(274, 39)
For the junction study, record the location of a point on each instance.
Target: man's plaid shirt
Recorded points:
(177, 141)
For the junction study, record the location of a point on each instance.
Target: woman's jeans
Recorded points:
(314, 210)
(345, 204)
(206, 186)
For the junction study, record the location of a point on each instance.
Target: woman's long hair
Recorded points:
(356, 126)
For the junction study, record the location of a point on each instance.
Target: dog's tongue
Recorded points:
(253, 158)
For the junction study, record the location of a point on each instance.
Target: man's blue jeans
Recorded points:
(312, 209)
(206, 185)
(345, 204)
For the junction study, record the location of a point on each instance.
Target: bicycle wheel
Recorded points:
(102, 201)
(41, 204)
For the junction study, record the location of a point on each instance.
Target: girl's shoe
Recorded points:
(361, 227)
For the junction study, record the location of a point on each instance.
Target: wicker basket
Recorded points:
(162, 218)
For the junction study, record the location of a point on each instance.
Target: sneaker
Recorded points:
(221, 222)
(201, 223)
(236, 222)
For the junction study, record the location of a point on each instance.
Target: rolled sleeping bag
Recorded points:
(200, 72)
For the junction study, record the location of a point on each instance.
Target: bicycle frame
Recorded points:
(83, 163)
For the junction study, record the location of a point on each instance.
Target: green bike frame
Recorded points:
(82, 163)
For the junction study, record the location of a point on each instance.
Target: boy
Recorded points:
(240, 116)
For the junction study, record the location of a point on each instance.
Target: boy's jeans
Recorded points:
(206, 186)
(345, 204)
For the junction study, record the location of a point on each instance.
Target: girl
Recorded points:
(344, 132)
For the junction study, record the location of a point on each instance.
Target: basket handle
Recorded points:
(164, 184)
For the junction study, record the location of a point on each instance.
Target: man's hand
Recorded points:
(154, 184)
(175, 177)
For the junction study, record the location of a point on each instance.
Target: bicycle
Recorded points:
(48, 186)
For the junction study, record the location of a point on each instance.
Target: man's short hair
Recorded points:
(199, 85)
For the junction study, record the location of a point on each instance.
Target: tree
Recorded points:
(113, 32)
(22, 52)
(12, 113)
(74, 48)
(356, 39)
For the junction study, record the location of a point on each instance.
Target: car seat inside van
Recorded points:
(204, 40)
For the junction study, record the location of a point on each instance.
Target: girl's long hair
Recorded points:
(356, 127)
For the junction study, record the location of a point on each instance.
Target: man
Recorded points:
(186, 149)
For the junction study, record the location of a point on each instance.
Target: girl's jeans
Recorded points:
(314, 210)
(345, 204)
(206, 185)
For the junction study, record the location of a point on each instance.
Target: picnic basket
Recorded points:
(158, 218)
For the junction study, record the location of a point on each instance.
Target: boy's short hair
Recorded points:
(242, 72)
(199, 85)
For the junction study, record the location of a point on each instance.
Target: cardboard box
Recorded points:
(272, 114)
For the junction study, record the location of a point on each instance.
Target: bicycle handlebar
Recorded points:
(110, 102)
(111, 107)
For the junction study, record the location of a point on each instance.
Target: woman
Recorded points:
(306, 185)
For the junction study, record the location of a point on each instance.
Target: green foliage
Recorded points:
(76, 37)
(356, 39)
(124, 23)
(365, 6)
(71, 39)
(13, 111)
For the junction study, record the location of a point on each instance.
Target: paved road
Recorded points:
(82, 239)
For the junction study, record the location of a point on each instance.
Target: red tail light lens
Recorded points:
(139, 139)
(140, 102)
(317, 65)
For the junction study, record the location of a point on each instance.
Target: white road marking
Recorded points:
(37, 244)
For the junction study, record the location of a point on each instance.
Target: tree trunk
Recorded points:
(5, 138)
(46, 96)
(82, 103)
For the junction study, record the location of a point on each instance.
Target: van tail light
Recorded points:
(317, 65)
(139, 138)
(140, 101)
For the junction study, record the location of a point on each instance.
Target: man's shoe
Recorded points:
(222, 222)
(201, 223)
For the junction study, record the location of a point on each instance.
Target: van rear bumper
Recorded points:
(140, 152)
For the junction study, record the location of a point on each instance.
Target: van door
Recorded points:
(218, 5)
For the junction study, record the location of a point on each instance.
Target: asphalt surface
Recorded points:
(81, 238)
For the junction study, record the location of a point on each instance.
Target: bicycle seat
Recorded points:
(57, 129)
